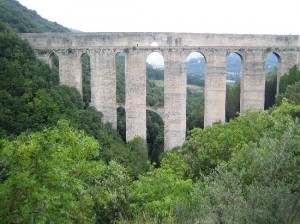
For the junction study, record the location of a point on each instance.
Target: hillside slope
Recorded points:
(24, 20)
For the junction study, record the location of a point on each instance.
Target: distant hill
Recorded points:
(196, 66)
(24, 20)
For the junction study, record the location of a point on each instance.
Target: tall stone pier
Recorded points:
(135, 88)
(175, 98)
(175, 48)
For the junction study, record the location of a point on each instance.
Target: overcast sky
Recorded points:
(196, 16)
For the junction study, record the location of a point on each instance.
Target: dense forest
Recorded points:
(60, 164)
(24, 20)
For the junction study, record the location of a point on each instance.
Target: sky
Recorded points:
(192, 16)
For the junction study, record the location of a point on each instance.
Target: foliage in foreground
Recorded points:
(52, 176)
(290, 78)
(243, 171)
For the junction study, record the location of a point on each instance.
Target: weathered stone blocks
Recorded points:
(174, 47)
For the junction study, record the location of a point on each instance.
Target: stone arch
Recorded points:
(237, 53)
(234, 70)
(53, 59)
(155, 101)
(195, 105)
(120, 61)
(272, 77)
(86, 78)
(155, 80)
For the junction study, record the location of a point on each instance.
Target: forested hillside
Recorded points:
(24, 20)
(60, 164)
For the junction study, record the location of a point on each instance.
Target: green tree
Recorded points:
(232, 100)
(86, 79)
(21, 76)
(157, 193)
(121, 120)
(259, 184)
(110, 194)
(120, 72)
(24, 20)
(155, 136)
(55, 176)
(289, 79)
(194, 109)
(209, 147)
(155, 94)
(270, 88)
(292, 94)
(47, 176)
(139, 156)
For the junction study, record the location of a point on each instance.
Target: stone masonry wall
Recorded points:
(215, 88)
(253, 81)
(174, 99)
(135, 99)
(70, 69)
(174, 47)
(103, 84)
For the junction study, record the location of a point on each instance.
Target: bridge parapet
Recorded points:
(52, 40)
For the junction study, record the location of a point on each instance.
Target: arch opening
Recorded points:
(86, 78)
(121, 122)
(195, 71)
(155, 137)
(54, 65)
(120, 78)
(154, 100)
(120, 94)
(155, 80)
(234, 64)
(271, 72)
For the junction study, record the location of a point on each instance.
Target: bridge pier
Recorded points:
(215, 88)
(175, 99)
(103, 85)
(253, 81)
(45, 58)
(288, 60)
(70, 69)
(135, 99)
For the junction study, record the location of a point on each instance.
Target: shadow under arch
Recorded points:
(53, 62)
(234, 70)
(86, 78)
(272, 77)
(121, 122)
(120, 59)
(155, 136)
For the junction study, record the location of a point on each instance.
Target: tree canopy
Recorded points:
(24, 20)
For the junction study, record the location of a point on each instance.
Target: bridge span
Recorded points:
(175, 48)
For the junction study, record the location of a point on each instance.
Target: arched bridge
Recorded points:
(174, 47)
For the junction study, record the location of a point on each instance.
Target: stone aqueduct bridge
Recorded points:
(175, 48)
